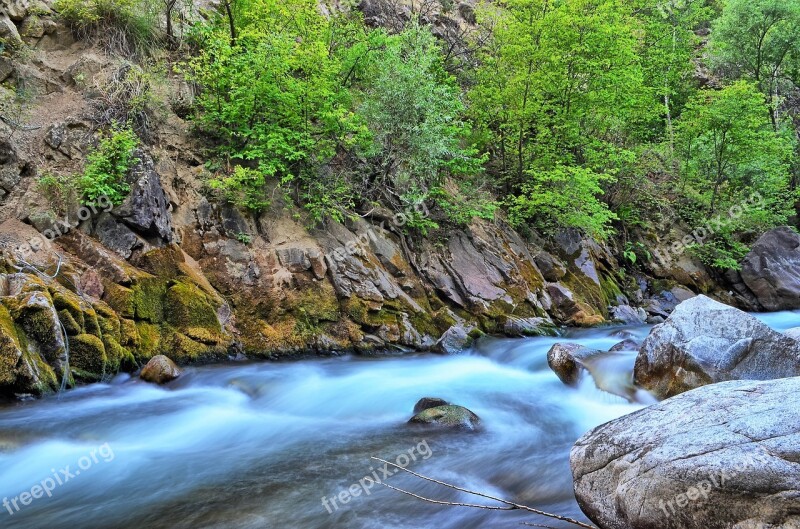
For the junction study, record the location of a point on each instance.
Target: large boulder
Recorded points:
(772, 269)
(146, 209)
(704, 341)
(718, 457)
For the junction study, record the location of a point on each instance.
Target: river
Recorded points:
(259, 445)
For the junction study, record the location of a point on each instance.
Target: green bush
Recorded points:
(108, 166)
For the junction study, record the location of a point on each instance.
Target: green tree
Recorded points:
(413, 110)
(756, 40)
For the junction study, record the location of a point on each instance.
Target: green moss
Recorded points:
(92, 323)
(129, 336)
(149, 343)
(119, 358)
(64, 300)
(188, 309)
(47, 381)
(148, 299)
(107, 320)
(72, 327)
(10, 348)
(121, 299)
(610, 290)
(87, 356)
(184, 350)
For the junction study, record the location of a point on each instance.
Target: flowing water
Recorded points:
(255, 445)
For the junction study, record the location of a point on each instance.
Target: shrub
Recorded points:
(108, 166)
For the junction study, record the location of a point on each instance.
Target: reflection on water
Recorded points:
(259, 445)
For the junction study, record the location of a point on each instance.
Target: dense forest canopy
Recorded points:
(618, 118)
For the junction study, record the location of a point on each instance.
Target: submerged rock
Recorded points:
(160, 370)
(429, 402)
(772, 269)
(718, 457)
(704, 341)
(449, 416)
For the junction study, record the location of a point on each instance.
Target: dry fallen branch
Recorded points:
(508, 505)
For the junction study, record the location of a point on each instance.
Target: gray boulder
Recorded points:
(718, 457)
(628, 315)
(519, 327)
(772, 269)
(704, 341)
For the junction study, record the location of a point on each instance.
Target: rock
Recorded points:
(718, 457)
(569, 310)
(455, 340)
(772, 269)
(704, 341)
(551, 268)
(628, 315)
(566, 361)
(6, 68)
(628, 344)
(32, 28)
(146, 208)
(793, 333)
(8, 32)
(519, 327)
(429, 402)
(116, 236)
(449, 416)
(160, 370)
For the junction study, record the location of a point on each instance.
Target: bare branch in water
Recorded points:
(509, 506)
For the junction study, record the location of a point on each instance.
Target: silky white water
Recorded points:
(254, 445)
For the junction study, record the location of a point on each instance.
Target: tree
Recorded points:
(413, 110)
(559, 83)
(755, 40)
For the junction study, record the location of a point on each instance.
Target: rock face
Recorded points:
(449, 416)
(160, 370)
(719, 457)
(772, 269)
(704, 341)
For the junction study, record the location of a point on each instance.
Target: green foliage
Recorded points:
(563, 197)
(127, 27)
(107, 167)
(243, 187)
(413, 110)
(729, 150)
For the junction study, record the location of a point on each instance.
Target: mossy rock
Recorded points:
(149, 341)
(119, 358)
(107, 320)
(72, 327)
(39, 321)
(87, 355)
(184, 350)
(69, 302)
(36, 376)
(129, 336)
(315, 304)
(189, 310)
(148, 299)
(121, 299)
(10, 348)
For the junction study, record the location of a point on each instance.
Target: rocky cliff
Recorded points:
(174, 270)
